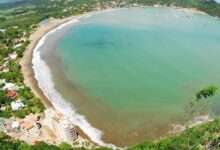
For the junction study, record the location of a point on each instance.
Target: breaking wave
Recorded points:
(46, 84)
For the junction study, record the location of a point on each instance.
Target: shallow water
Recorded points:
(131, 72)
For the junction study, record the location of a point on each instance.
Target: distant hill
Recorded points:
(9, 1)
(13, 3)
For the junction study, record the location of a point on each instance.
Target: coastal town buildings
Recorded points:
(17, 105)
(2, 81)
(10, 87)
(2, 30)
(2, 126)
(62, 128)
(17, 45)
(13, 55)
(22, 128)
(12, 94)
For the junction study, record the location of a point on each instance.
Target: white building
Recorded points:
(17, 105)
(13, 56)
(2, 81)
(62, 128)
(10, 87)
(15, 125)
(2, 30)
(17, 45)
(67, 131)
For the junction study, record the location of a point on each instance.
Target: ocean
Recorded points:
(127, 75)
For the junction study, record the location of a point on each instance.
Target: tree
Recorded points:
(201, 96)
(65, 146)
(24, 146)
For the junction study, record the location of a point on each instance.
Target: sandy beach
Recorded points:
(26, 62)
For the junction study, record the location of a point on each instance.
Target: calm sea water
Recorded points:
(131, 72)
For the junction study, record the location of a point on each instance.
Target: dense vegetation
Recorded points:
(7, 143)
(202, 137)
(197, 138)
(8, 40)
(32, 11)
(21, 19)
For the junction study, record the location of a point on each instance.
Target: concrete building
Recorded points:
(63, 129)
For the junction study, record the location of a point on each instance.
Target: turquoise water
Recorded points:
(142, 66)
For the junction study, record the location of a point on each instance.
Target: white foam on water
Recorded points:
(177, 128)
(46, 84)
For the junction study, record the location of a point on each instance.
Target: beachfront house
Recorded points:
(17, 105)
(10, 87)
(17, 45)
(13, 55)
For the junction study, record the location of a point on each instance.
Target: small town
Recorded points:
(23, 116)
(52, 127)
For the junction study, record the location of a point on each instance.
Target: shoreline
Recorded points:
(36, 36)
(27, 66)
(26, 61)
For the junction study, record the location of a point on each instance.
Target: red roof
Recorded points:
(37, 142)
(11, 94)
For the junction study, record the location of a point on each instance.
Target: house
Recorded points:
(15, 125)
(33, 117)
(26, 126)
(2, 30)
(20, 121)
(6, 69)
(13, 55)
(10, 87)
(37, 142)
(17, 105)
(17, 45)
(12, 94)
(2, 81)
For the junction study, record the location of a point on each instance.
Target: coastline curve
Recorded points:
(45, 83)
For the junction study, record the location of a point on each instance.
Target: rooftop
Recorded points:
(17, 105)
(11, 94)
